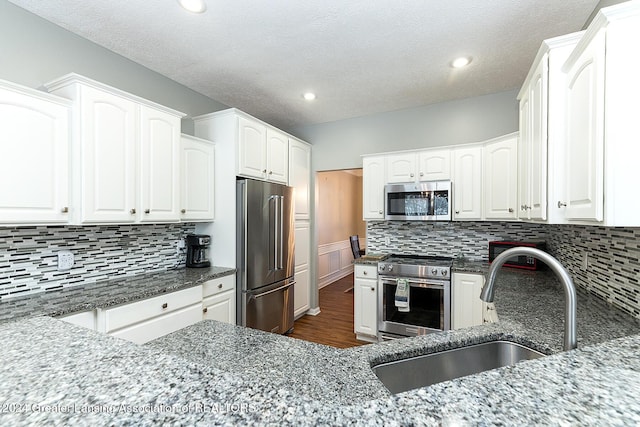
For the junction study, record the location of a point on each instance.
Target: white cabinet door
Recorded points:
(302, 288)
(537, 147)
(365, 302)
(400, 168)
(277, 156)
(197, 179)
(299, 177)
(34, 158)
(524, 156)
(434, 165)
(220, 307)
(159, 166)
(501, 179)
(108, 131)
(467, 183)
(584, 171)
(466, 304)
(252, 148)
(373, 178)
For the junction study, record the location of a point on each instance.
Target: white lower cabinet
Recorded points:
(466, 305)
(365, 302)
(219, 299)
(146, 320)
(302, 288)
(86, 319)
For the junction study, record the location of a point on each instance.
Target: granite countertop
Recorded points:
(107, 293)
(213, 373)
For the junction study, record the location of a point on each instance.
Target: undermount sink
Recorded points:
(420, 371)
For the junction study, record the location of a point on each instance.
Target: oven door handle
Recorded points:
(418, 283)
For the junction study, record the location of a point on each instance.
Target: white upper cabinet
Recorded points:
(299, 177)
(197, 182)
(467, 183)
(262, 151)
(600, 167)
(125, 154)
(373, 180)
(427, 165)
(500, 186)
(160, 166)
(34, 150)
(434, 165)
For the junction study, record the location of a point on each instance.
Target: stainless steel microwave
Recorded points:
(423, 201)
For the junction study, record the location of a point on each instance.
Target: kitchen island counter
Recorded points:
(197, 375)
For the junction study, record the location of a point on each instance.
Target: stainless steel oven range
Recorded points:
(422, 302)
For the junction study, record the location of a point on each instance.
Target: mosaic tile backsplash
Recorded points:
(28, 255)
(613, 254)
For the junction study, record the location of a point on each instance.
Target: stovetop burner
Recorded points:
(420, 266)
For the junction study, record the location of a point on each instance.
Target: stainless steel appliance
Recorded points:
(521, 261)
(429, 286)
(198, 250)
(424, 201)
(264, 257)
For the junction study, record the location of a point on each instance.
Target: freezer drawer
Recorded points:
(270, 309)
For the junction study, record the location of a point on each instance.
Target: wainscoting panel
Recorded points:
(335, 261)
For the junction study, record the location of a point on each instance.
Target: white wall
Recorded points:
(339, 145)
(34, 51)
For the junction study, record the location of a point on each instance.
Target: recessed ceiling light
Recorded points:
(195, 6)
(309, 96)
(463, 61)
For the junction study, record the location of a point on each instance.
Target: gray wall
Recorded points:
(34, 51)
(339, 145)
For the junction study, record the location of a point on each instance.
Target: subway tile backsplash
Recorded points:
(28, 255)
(613, 254)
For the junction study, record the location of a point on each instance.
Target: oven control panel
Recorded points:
(400, 270)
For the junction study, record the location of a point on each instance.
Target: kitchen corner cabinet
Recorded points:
(197, 162)
(262, 151)
(302, 287)
(466, 305)
(373, 181)
(300, 176)
(365, 302)
(601, 170)
(34, 147)
(501, 178)
(219, 299)
(467, 183)
(125, 154)
(146, 320)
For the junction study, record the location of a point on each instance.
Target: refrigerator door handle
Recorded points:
(281, 211)
(288, 285)
(273, 200)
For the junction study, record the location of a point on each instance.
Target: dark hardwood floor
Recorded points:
(334, 325)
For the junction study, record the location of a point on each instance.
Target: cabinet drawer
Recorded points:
(366, 271)
(125, 315)
(141, 333)
(221, 284)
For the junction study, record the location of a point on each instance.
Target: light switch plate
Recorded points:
(65, 260)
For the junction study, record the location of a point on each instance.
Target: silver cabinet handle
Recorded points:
(421, 173)
(147, 211)
(561, 205)
(64, 210)
(411, 175)
(380, 212)
(132, 211)
(165, 305)
(183, 211)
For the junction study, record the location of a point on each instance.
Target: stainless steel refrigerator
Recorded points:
(264, 257)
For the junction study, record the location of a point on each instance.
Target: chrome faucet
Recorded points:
(570, 339)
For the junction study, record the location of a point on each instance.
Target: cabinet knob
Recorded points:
(561, 205)
(373, 289)
(457, 212)
(411, 175)
(364, 272)
(421, 173)
(132, 211)
(220, 286)
(264, 171)
(183, 211)
(64, 210)
(510, 210)
(380, 212)
(147, 211)
(270, 172)
(204, 310)
(165, 305)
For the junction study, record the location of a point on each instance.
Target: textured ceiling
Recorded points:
(359, 56)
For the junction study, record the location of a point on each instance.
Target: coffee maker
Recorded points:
(198, 250)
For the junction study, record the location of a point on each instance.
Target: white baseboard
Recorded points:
(313, 311)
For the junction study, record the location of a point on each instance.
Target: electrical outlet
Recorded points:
(65, 260)
(387, 241)
(585, 262)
